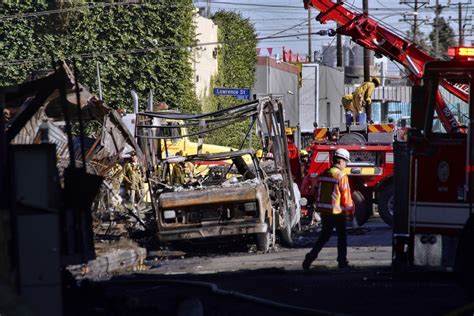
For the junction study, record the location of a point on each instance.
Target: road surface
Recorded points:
(250, 283)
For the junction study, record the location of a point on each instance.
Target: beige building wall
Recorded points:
(205, 56)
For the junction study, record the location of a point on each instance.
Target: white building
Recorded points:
(322, 88)
(204, 55)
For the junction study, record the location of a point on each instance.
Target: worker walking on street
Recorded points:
(361, 98)
(333, 201)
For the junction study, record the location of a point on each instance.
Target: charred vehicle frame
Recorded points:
(256, 198)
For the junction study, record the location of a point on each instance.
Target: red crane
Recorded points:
(371, 35)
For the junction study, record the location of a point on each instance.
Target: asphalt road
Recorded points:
(239, 283)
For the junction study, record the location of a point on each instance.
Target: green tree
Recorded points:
(236, 62)
(446, 37)
(140, 45)
(421, 40)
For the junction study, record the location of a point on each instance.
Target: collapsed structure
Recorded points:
(40, 113)
(37, 106)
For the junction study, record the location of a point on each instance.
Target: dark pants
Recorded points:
(329, 222)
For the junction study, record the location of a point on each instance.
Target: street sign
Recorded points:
(241, 94)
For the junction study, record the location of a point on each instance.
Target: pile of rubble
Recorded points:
(56, 109)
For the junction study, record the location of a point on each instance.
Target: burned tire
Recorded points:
(286, 233)
(386, 203)
(465, 258)
(362, 211)
(264, 241)
(352, 139)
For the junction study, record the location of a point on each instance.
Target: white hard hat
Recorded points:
(342, 153)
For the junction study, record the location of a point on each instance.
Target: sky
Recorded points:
(288, 17)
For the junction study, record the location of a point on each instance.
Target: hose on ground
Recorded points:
(216, 290)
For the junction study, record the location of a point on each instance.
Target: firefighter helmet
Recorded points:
(376, 81)
(342, 153)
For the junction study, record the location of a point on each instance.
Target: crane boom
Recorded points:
(371, 35)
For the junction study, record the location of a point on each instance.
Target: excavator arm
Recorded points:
(371, 35)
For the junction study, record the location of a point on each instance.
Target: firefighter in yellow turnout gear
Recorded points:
(333, 201)
(133, 179)
(116, 177)
(182, 172)
(361, 98)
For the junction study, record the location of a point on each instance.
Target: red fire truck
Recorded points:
(434, 219)
(370, 172)
(374, 157)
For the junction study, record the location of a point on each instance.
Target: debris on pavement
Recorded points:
(111, 258)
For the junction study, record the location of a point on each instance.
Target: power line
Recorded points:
(140, 50)
(416, 5)
(251, 6)
(291, 27)
(258, 5)
(72, 9)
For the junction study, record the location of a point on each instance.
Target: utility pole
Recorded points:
(415, 5)
(310, 39)
(436, 28)
(339, 52)
(415, 21)
(461, 37)
(461, 21)
(365, 8)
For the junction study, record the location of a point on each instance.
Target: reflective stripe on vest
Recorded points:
(327, 179)
(330, 206)
(330, 201)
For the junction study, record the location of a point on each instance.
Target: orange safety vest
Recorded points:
(334, 194)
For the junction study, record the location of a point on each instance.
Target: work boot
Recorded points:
(343, 265)
(308, 259)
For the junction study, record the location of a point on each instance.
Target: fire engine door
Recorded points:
(441, 195)
(470, 148)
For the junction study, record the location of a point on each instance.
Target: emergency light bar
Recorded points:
(461, 52)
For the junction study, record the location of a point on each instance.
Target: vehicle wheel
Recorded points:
(286, 233)
(264, 241)
(386, 204)
(362, 211)
(352, 139)
(465, 258)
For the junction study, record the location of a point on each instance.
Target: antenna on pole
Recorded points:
(310, 39)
